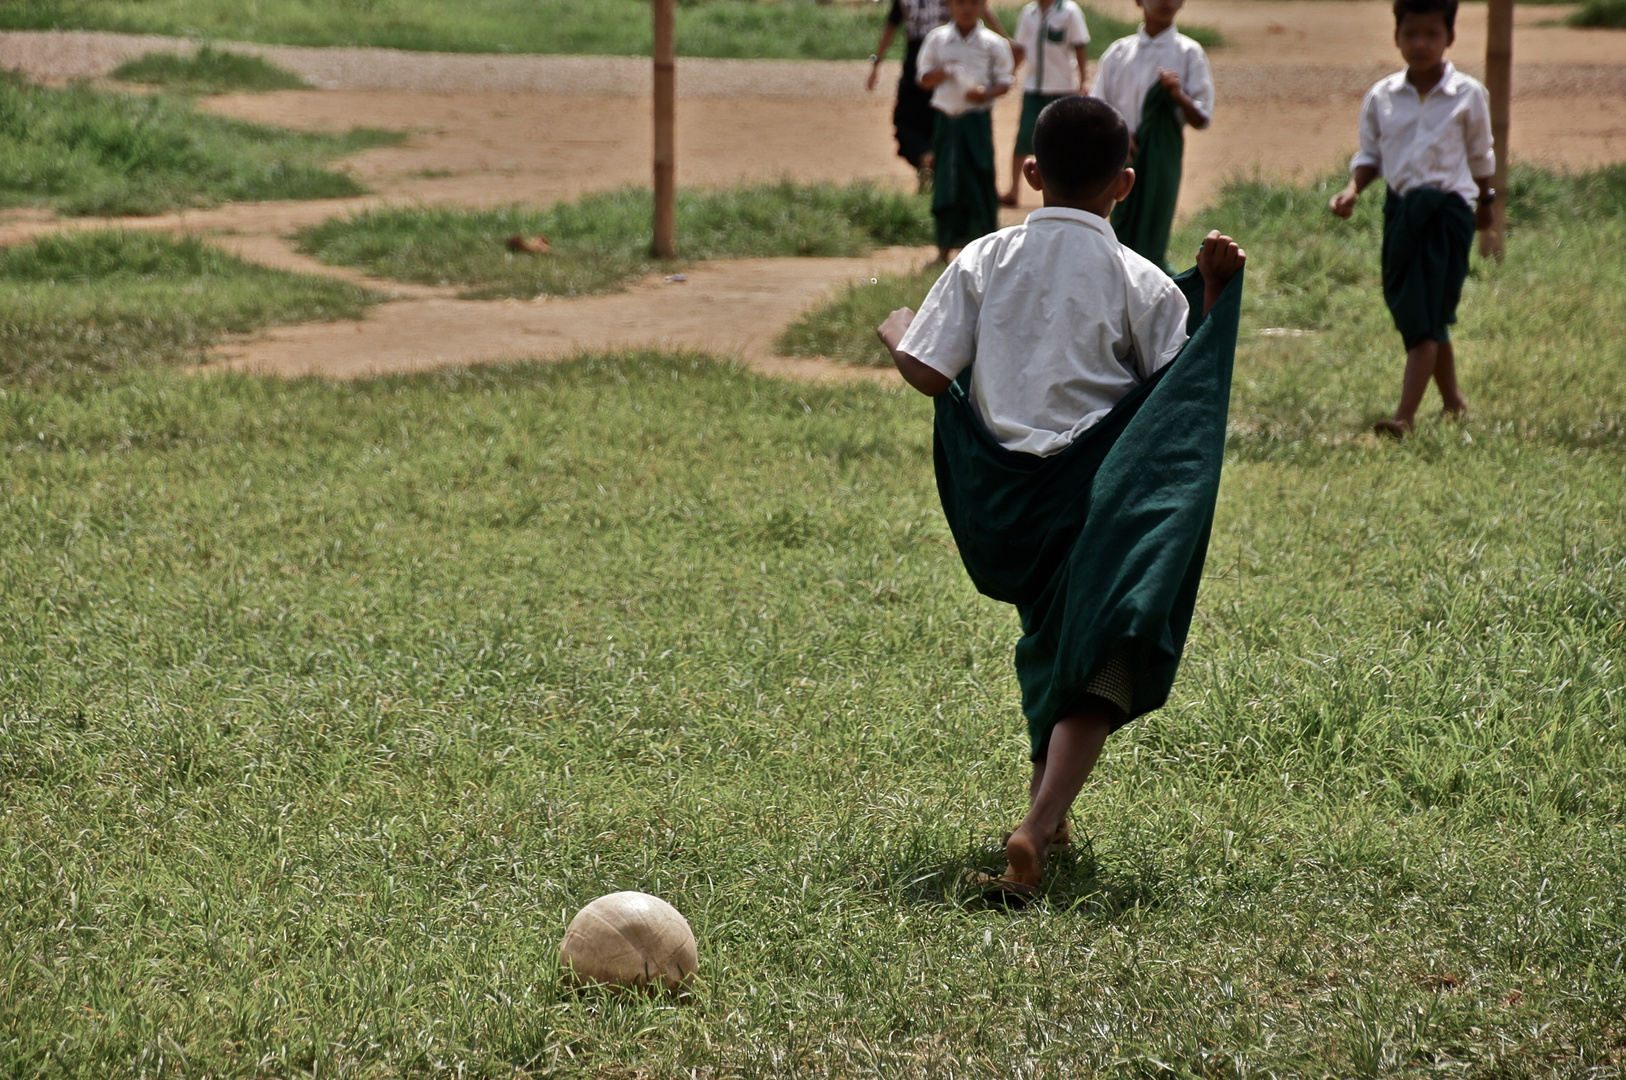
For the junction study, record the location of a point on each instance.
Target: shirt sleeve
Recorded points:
(1100, 87)
(895, 16)
(944, 333)
(1370, 152)
(1158, 327)
(1001, 64)
(1078, 32)
(1026, 29)
(1480, 145)
(928, 59)
(1199, 81)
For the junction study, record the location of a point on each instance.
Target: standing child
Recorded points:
(1427, 131)
(1052, 34)
(966, 66)
(1159, 81)
(1079, 438)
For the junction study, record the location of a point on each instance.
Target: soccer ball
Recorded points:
(630, 939)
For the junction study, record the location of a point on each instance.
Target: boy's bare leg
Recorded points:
(1421, 359)
(1075, 745)
(1445, 377)
(1013, 197)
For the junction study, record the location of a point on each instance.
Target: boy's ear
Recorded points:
(1030, 173)
(1122, 186)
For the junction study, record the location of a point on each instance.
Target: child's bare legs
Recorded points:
(1421, 360)
(1075, 744)
(1445, 377)
(1427, 361)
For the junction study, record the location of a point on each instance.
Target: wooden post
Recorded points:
(665, 115)
(1499, 83)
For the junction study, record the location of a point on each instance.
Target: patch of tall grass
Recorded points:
(86, 306)
(86, 151)
(1609, 14)
(208, 70)
(767, 29)
(602, 240)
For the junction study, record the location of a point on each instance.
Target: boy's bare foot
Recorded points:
(1025, 858)
(1394, 429)
(1456, 410)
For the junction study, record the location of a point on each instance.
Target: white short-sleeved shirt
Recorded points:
(980, 58)
(1439, 140)
(1053, 69)
(1057, 321)
(1130, 66)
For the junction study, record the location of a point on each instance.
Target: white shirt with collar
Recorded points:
(1130, 66)
(1438, 140)
(1057, 321)
(980, 58)
(1052, 67)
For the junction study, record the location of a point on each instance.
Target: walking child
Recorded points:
(1159, 81)
(966, 66)
(1078, 442)
(1052, 35)
(1427, 132)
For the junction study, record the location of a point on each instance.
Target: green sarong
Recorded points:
(1142, 221)
(965, 204)
(1426, 236)
(1032, 105)
(1100, 546)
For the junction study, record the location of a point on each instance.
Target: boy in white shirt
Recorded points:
(1079, 438)
(1427, 131)
(1052, 34)
(1159, 81)
(966, 66)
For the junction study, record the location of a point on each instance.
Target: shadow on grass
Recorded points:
(1076, 882)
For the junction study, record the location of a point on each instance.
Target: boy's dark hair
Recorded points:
(1448, 8)
(1082, 144)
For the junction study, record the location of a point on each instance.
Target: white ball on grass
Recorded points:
(630, 939)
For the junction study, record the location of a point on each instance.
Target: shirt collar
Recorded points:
(1450, 84)
(1148, 39)
(1078, 217)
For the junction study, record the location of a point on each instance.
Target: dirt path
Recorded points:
(490, 130)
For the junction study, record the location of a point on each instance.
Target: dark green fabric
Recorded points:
(1100, 546)
(1426, 236)
(1143, 220)
(1032, 105)
(965, 204)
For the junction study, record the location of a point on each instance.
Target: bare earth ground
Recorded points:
(491, 130)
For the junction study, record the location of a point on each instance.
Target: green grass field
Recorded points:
(602, 240)
(80, 307)
(208, 71)
(324, 706)
(781, 29)
(1609, 14)
(86, 151)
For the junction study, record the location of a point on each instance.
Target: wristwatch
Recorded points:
(874, 59)
(1488, 197)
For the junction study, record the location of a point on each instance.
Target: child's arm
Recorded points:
(1343, 204)
(1485, 206)
(1218, 262)
(880, 54)
(1083, 68)
(1195, 116)
(927, 380)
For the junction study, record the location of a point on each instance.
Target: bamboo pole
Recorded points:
(665, 119)
(1499, 84)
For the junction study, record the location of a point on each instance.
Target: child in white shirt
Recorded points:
(1159, 81)
(1050, 38)
(1427, 131)
(1067, 335)
(965, 66)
